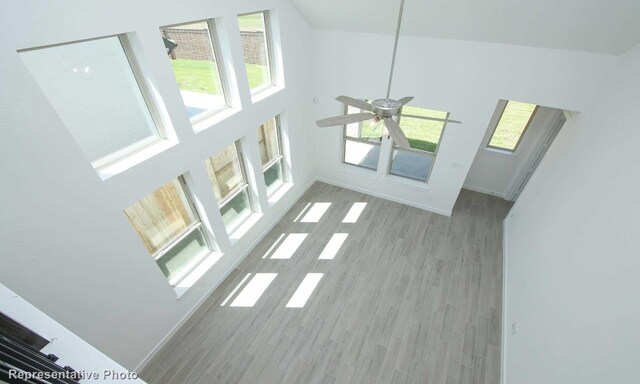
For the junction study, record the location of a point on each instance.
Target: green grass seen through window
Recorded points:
(423, 135)
(202, 76)
(512, 124)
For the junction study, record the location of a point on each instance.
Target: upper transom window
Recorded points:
(192, 49)
(513, 123)
(255, 34)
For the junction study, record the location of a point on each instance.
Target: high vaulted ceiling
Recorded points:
(604, 26)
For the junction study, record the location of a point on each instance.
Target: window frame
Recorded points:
(524, 131)
(278, 159)
(238, 189)
(268, 40)
(346, 137)
(222, 75)
(144, 87)
(419, 152)
(196, 225)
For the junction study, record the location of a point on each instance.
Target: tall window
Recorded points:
(513, 123)
(424, 137)
(362, 142)
(255, 34)
(170, 229)
(95, 88)
(269, 141)
(226, 171)
(192, 49)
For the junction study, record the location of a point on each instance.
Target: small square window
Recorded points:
(362, 142)
(192, 50)
(230, 186)
(424, 138)
(94, 87)
(170, 230)
(513, 123)
(256, 46)
(269, 141)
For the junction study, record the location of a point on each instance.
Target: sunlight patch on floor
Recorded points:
(289, 246)
(254, 290)
(304, 291)
(301, 212)
(354, 213)
(315, 213)
(235, 290)
(273, 246)
(333, 246)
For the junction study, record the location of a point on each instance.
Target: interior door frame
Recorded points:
(526, 171)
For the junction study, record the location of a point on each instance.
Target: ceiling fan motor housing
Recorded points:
(385, 107)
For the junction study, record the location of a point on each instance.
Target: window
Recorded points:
(424, 137)
(270, 144)
(95, 88)
(254, 31)
(192, 49)
(226, 171)
(513, 123)
(171, 230)
(362, 142)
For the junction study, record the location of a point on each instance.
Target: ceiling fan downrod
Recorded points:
(395, 47)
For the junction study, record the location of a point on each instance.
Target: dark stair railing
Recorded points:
(18, 357)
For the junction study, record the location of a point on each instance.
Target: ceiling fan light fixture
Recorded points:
(380, 109)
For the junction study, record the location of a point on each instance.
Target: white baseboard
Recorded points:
(485, 191)
(503, 341)
(384, 196)
(208, 293)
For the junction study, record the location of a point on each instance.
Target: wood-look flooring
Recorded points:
(411, 297)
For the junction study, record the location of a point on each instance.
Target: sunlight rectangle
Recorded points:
(301, 212)
(315, 213)
(289, 246)
(354, 213)
(273, 246)
(240, 284)
(304, 291)
(333, 246)
(254, 290)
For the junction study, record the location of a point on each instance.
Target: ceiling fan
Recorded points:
(380, 109)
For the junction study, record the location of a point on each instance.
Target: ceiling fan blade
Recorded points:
(360, 104)
(405, 100)
(431, 118)
(396, 133)
(344, 119)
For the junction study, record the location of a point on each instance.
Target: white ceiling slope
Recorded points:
(603, 26)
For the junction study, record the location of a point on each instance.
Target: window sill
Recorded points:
(194, 276)
(406, 182)
(239, 232)
(279, 193)
(500, 152)
(135, 159)
(213, 119)
(264, 93)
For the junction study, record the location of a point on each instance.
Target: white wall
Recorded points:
(464, 78)
(71, 350)
(67, 247)
(494, 172)
(572, 265)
